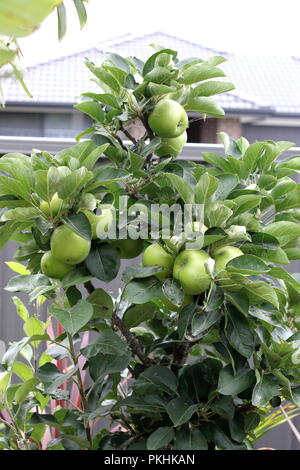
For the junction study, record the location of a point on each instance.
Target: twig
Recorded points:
(129, 136)
(134, 344)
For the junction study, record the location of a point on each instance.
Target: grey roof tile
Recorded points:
(270, 84)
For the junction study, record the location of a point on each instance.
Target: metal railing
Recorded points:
(191, 151)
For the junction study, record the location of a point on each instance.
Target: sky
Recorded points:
(257, 27)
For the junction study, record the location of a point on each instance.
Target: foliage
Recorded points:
(17, 21)
(198, 376)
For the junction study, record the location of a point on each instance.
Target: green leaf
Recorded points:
(204, 320)
(205, 188)
(104, 76)
(239, 299)
(281, 273)
(73, 182)
(265, 389)
(62, 20)
(51, 377)
(233, 384)
(217, 214)
(223, 441)
(107, 342)
(102, 303)
(183, 187)
(284, 231)
(215, 160)
(180, 411)
(199, 72)
(25, 389)
(76, 277)
(150, 63)
(140, 272)
(161, 377)
(81, 12)
(246, 203)
(185, 319)
(142, 291)
(247, 264)
(172, 290)
(21, 309)
(103, 262)
(161, 437)
(22, 370)
(92, 109)
(204, 106)
(103, 364)
(190, 439)
(137, 314)
(228, 182)
(33, 327)
(261, 291)
(238, 332)
(211, 88)
(277, 255)
(80, 224)
(75, 318)
(27, 283)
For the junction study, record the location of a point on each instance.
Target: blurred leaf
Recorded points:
(159, 438)
(62, 20)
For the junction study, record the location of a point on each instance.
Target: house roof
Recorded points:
(268, 85)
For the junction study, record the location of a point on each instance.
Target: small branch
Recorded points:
(80, 389)
(129, 136)
(134, 344)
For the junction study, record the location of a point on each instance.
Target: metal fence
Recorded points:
(11, 326)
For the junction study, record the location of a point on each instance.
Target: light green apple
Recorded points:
(171, 146)
(189, 269)
(100, 224)
(224, 254)
(155, 255)
(52, 267)
(69, 247)
(168, 119)
(129, 248)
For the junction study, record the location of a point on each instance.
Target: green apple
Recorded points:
(224, 254)
(187, 300)
(52, 208)
(168, 119)
(52, 267)
(155, 255)
(189, 269)
(172, 145)
(69, 247)
(100, 224)
(129, 248)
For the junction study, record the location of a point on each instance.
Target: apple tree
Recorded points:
(202, 338)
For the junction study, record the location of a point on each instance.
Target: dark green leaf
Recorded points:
(74, 319)
(180, 411)
(103, 262)
(143, 290)
(233, 384)
(161, 437)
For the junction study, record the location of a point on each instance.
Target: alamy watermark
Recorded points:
(144, 220)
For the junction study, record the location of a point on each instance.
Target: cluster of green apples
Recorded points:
(169, 121)
(189, 267)
(69, 249)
